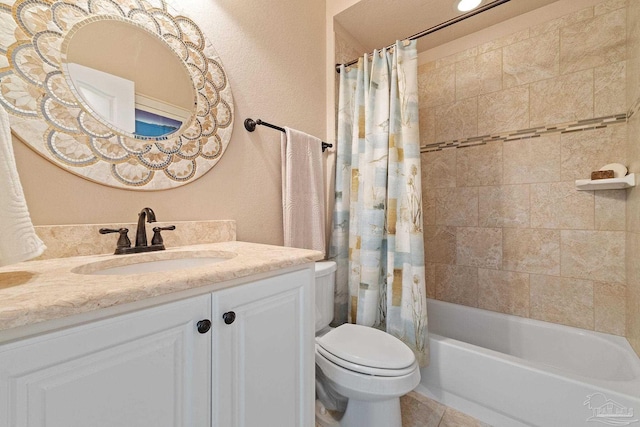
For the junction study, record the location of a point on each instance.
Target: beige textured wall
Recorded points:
(633, 194)
(274, 55)
(505, 227)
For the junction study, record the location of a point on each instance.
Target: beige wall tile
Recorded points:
(633, 143)
(587, 151)
(504, 206)
(440, 244)
(479, 75)
(438, 168)
(609, 89)
(633, 52)
(427, 118)
(562, 300)
(457, 206)
(345, 51)
(555, 24)
(480, 165)
(428, 207)
(560, 205)
(437, 86)
(562, 99)
(633, 195)
(609, 300)
(503, 291)
(633, 209)
(457, 57)
(420, 411)
(593, 42)
(428, 66)
(456, 120)
(506, 110)
(483, 198)
(457, 284)
(610, 210)
(595, 255)
(531, 60)
(504, 41)
(479, 247)
(532, 160)
(531, 251)
(609, 6)
(633, 291)
(430, 279)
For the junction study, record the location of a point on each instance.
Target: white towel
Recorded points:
(302, 191)
(18, 241)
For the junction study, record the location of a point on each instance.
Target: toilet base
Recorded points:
(379, 413)
(326, 417)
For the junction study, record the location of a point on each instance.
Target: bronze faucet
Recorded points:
(141, 233)
(124, 244)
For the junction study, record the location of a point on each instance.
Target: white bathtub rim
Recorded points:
(619, 342)
(624, 388)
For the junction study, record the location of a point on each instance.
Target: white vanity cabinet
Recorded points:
(153, 368)
(263, 353)
(149, 368)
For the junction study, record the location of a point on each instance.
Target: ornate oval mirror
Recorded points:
(121, 92)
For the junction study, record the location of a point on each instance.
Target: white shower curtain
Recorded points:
(377, 238)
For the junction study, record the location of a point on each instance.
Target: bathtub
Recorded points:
(511, 371)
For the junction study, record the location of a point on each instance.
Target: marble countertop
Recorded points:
(38, 291)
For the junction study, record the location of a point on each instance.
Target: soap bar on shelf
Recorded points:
(602, 174)
(619, 170)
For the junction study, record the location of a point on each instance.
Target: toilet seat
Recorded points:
(366, 350)
(361, 369)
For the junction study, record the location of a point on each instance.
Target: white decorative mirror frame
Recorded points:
(48, 115)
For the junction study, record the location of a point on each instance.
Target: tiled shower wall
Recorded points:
(633, 195)
(505, 228)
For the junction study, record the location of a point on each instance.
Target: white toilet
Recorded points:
(368, 367)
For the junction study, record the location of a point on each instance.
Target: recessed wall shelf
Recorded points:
(607, 184)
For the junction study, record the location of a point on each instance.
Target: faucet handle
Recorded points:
(157, 237)
(123, 240)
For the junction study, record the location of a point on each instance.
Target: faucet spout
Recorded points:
(149, 216)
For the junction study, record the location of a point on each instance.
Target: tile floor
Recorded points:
(420, 411)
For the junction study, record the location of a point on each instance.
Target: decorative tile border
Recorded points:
(634, 108)
(580, 125)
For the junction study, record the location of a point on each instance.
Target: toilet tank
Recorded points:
(325, 285)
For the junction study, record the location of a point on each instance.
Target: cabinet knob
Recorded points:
(229, 317)
(204, 326)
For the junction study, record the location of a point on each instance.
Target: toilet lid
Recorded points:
(367, 346)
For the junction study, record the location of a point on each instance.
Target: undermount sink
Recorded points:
(153, 263)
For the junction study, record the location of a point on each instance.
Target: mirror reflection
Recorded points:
(132, 80)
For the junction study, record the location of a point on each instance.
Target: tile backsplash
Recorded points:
(64, 241)
(506, 129)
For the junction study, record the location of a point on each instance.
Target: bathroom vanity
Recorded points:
(224, 344)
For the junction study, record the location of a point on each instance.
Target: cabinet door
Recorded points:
(263, 365)
(144, 369)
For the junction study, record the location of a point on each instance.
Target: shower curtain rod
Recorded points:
(441, 26)
(250, 125)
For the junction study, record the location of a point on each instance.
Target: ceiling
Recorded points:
(379, 23)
